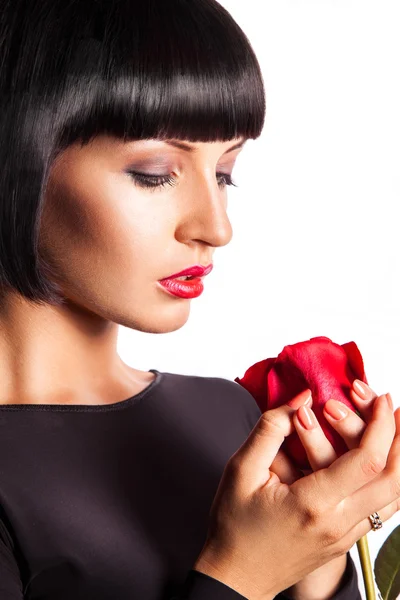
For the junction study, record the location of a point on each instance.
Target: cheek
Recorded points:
(102, 232)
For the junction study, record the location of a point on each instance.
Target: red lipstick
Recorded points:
(189, 288)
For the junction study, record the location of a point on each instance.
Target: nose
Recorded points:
(204, 217)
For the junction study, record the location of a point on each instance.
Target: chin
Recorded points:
(169, 323)
(164, 320)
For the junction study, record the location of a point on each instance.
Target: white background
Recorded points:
(315, 248)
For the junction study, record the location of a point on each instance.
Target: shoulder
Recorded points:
(214, 395)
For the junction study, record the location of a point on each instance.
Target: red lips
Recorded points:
(195, 271)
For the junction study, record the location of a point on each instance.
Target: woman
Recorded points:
(121, 124)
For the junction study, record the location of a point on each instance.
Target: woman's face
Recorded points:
(109, 240)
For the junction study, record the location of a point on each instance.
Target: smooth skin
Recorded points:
(323, 583)
(272, 529)
(109, 241)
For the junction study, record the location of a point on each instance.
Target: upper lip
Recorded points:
(195, 271)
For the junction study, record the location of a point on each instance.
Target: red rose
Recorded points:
(326, 368)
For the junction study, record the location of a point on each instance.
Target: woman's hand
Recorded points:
(260, 526)
(325, 581)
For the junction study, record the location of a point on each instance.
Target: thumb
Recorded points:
(256, 455)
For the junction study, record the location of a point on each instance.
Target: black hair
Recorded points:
(135, 69)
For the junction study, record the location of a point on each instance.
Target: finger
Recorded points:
(363, 390)
(251, 462)
(374, 430)
(396, 418)
(365, 526)
(384, 490)
(285, 469)
(319, 450)
(347, 423)
(359, 466)
(363, 396)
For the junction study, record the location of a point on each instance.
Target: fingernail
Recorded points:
(300, 401)
(336, 409)
(389, 401)
(305, 417)
(360, 387)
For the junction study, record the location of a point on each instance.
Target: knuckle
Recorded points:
(333, 539)
(311, 514)
(270, 420)
(332, 535)
(307, 504)
(373, 464)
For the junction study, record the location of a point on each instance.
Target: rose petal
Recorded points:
(323, 366)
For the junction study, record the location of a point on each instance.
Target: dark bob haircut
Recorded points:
(134, 69)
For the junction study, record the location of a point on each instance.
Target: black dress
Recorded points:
(111, 502)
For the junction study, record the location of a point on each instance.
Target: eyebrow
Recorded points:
(189, 148)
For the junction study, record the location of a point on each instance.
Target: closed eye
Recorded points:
(157, 181)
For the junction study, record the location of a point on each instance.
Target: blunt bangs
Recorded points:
(134, 69)
(163, 69)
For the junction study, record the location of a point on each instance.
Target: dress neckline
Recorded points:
(90, 407)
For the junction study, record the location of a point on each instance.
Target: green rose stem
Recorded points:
(365, 560)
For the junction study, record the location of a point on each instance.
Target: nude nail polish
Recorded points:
(306, 417)
(297, 402)
(361, 391)
(336, 409)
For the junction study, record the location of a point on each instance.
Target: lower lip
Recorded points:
(191, 288)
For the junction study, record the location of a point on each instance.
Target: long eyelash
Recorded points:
(154, 181)
(226, 180)
(151, 181)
